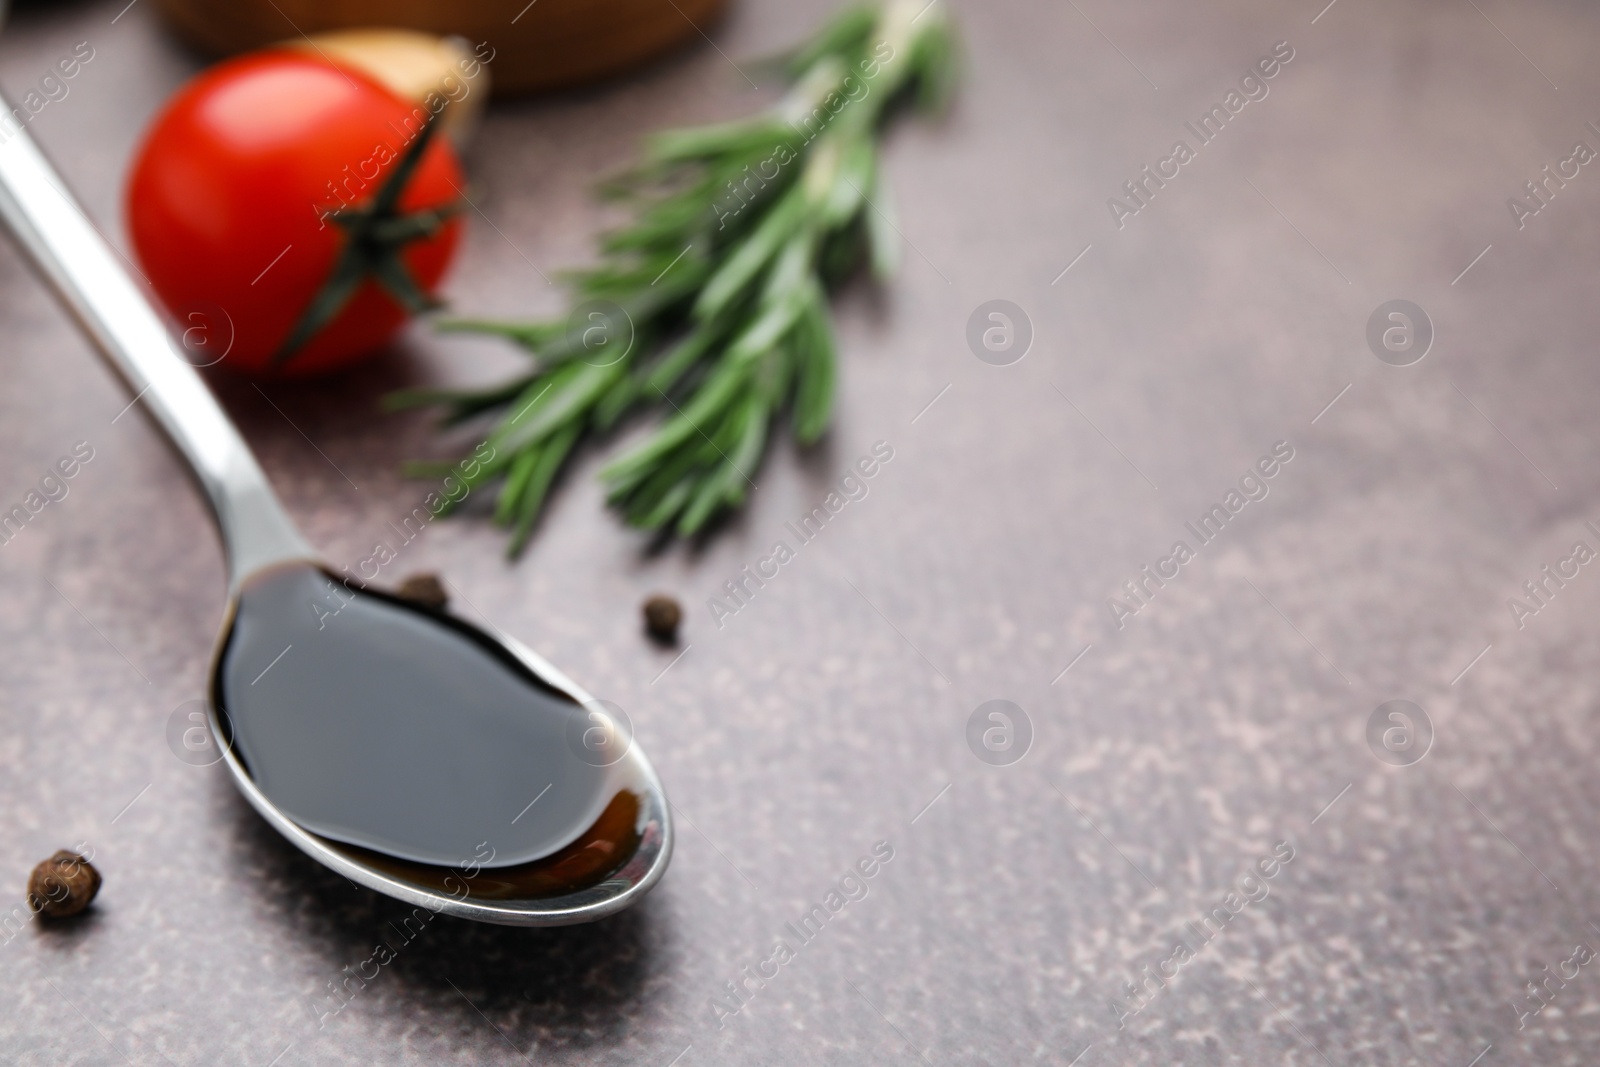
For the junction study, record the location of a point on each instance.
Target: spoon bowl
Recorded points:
(413, 752)
(329, 722)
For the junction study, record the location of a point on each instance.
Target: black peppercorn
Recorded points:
(661, 617)
(425, 589)
(62, 885)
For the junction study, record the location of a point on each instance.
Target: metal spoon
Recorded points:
(523, 871)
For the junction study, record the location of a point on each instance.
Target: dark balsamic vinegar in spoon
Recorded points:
(417, 743)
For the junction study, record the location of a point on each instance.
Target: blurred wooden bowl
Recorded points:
(543, 45)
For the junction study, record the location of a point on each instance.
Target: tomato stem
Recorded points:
(375, 235)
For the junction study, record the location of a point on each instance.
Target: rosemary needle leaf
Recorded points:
(544, 472)
(493, 396)
(665, 375)
(737, 231)
(845, 33)
(726, 487)
(574, 389)
(740, 268)
(714, 142)
(505, 505)
(813, 405)
(528, 334)
(883, 239)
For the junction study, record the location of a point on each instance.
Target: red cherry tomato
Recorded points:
(228, 199)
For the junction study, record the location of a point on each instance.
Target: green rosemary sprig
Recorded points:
(711, 303)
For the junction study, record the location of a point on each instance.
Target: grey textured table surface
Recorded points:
(1225, 719)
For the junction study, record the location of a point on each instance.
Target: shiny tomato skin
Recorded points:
(226, 198)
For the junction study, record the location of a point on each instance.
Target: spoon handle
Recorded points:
(68, 251)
